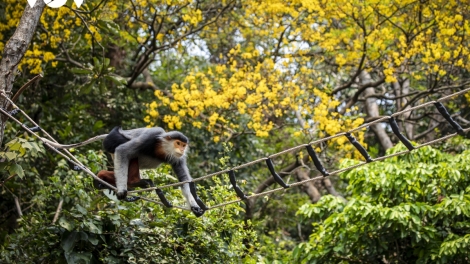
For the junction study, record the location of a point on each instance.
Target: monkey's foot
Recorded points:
(98, 185)
(132, 198)
(197, 211)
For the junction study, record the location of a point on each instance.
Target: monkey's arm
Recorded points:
(122, 156)
(181, 170)
(76, 145)
(133, 180)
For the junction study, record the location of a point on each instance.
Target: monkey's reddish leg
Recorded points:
(107, 176)
(133, 176)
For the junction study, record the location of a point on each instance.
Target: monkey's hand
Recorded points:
(197, 211)
(121, 195)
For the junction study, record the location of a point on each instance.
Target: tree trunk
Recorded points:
(14, 51)
(372, 110)
(399, 90)
(308, 187)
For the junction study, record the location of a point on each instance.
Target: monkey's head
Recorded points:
(177, 144)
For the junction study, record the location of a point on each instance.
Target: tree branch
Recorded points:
(145, 59)
(360, 90)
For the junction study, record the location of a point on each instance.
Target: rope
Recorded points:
(73, 160)
(382, 119)
(68, 156)
(160, 203)
(338, 171)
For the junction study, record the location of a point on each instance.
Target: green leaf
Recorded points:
(97, 63)
(81, 209)
(116, 79)
(103, 87)
(16, 169)
(98, 125)
(15, 146)
(27, 145)
(81, 71)
(93, 228)
(63, 222)
(78, 257)
(93, 240)
(126, 36)
(106, 62)
(87, 87)
(68, 240)
(11, 155)
(109, 26)
(3, 165)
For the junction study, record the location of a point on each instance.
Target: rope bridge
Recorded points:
(268, 160)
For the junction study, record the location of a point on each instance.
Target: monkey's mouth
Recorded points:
(179, 155)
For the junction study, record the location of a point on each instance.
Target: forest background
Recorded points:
(243, 80)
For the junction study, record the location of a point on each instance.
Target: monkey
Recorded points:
(133, 180)
(143, 148)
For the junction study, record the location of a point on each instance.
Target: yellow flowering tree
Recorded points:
(283, 57)
(261, 75)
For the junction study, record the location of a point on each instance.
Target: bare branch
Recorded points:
(57, 212)
(423, 134)
(383, 96)
(18, 207)
(9, 178)
(145, 59)
(360, 90)
(26, 85)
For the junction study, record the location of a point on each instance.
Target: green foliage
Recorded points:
(409, 208)
(102, 76)
(91, 228)
(16, 151)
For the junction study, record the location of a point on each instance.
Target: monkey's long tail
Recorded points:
(76, 145)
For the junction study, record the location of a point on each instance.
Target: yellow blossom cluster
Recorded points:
(193, 17)
(227, 95)
(235, 97)
(327, 122)
(393, 33)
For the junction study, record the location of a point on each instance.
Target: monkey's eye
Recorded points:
(178, 143)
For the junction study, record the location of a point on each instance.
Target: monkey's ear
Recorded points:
(168, 138)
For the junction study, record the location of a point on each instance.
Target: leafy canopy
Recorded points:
(411, 208)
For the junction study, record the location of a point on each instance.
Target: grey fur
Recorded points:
(138, 139)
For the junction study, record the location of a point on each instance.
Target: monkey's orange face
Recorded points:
(179, 147)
